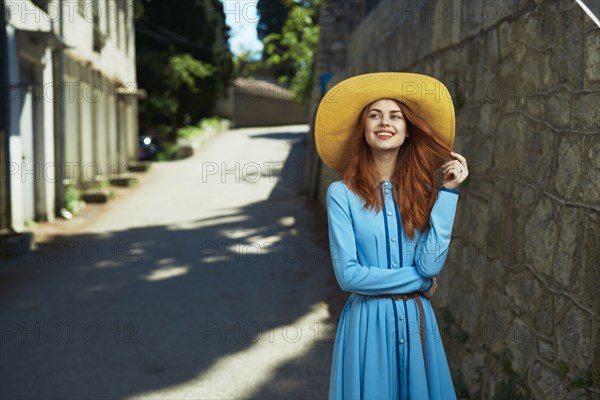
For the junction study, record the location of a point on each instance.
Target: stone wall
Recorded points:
(518, 301)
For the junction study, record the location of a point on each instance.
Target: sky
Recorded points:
(241, 16)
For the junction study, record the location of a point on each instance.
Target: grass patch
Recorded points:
(73, 201)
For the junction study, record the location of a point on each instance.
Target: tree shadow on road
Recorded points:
(130, 312)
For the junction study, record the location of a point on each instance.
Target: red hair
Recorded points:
(414, 184)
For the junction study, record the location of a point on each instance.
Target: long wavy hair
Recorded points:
(414, 181)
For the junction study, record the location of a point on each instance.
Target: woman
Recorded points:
(388, 134)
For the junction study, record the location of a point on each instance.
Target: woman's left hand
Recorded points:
(433, 288)
(455, 171)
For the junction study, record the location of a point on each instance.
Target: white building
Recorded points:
(72, 100)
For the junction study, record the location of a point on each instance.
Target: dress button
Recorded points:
(393, 239)
(401, 340)
(389, 213)
(385, 183)
(401, 318)
(387, 191)
(394, 264)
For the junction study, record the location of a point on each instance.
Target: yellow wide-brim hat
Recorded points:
(339, 109)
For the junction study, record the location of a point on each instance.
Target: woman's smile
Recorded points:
(384, 134)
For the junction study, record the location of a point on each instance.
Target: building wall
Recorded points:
(260, 103)
(266, 111)
(94, 76)
(99, 75)
(116, 61)
(518, 298)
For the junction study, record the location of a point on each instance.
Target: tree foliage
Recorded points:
(183, 60)
(272, 16)
(296, 45)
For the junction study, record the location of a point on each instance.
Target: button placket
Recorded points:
(390, 205)
(386, 223)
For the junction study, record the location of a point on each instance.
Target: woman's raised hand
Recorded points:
(455, 171)
(431, 291)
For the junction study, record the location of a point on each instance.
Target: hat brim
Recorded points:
(339, 109)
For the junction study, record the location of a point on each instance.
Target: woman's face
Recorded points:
(385, 127)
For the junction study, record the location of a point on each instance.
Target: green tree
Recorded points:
(272, 16)
(183, 61)
(296, 44)
(244, 65)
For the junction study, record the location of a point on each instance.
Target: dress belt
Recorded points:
(406, 296)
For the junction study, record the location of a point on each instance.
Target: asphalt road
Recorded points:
(205, 281)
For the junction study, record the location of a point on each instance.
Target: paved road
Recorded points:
(204, 281)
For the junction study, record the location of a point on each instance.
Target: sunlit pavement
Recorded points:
(206, 281)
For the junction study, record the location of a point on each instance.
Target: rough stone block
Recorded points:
(591, 56)
(475, 220)
(590, 184)
(523, 347)
(548, 74)
(558, 109)
(488, 120)
(509, 141)
(524, 291)
(546, 383)
(567, 266)
(573, 337)
(539, 157)
(542, 230)
(546, 349)
(567, 175)
(543, 318)
(586, 112)
(494, 11)
(472, 20)
(496, 322)
(531, 103)
(529, 66)
(568, 56)
(508, 37)
(491, 51)
(590, 278)
(471, 367)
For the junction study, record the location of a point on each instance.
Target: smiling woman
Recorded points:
(389, 231)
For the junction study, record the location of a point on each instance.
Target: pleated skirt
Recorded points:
(377, 352)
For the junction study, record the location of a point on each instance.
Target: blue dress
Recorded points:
(377, 352)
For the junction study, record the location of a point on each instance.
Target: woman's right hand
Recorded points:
(431, 291)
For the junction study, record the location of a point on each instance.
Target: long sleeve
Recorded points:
(432, 249)
(351, 276)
